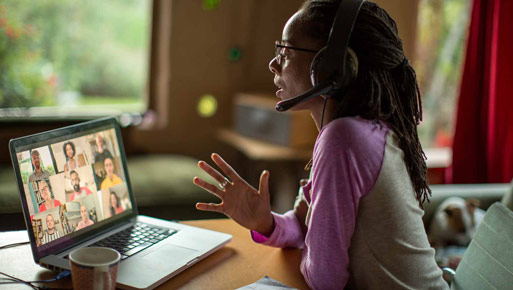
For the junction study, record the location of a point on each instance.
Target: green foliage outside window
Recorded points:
(441, 42)
(95, 49)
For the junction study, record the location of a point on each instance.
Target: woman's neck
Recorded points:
(49, 204)
(317, 112)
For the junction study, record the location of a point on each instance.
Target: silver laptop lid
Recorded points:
(73, 184)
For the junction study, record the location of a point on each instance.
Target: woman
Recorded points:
(359, 221)
(46, 194)
(115, 205)
(69, 152)
(111, 179)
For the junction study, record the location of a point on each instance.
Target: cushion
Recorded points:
(488, 261)
(9, 196)
(166, 180)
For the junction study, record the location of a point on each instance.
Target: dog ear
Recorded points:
(472, 204)
(449, 211)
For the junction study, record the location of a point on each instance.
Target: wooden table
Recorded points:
(239, 263)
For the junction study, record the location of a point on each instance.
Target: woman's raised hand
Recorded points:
(240, 201)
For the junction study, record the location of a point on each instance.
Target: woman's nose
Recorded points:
(274, 67)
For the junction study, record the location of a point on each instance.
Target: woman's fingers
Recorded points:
(225, 167)
(210, 207)
(263, 188)
(212, 172)
(208, 187)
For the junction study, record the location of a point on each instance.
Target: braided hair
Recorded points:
(385, 88)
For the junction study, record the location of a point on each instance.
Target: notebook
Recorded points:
(75, 192)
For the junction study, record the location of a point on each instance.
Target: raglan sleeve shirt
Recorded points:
(347, 158)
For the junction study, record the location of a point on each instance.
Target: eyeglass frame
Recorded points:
(278, 47)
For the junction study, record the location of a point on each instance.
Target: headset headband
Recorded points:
(338, 41)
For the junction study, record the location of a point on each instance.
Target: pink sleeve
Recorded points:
(347, 161)
(287, 232)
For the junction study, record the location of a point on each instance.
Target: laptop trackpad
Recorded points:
(170, 254)
(155, 266)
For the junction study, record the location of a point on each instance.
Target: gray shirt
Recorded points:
(383, 244)
(44, 175)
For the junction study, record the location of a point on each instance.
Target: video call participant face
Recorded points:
(83, 213)
(50, 223)
(109, 167)
(69, 151)
(113, 201)
(45, 191)
(99, 142)
(75, 181)
(36, 160)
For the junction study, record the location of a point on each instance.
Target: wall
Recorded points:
(197, 63)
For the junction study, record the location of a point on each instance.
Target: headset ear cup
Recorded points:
(316, 66)
(351, 66)
(318, 71)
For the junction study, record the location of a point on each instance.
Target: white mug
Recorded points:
(94, 268)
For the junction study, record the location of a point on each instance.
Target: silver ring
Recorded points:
(224, 183)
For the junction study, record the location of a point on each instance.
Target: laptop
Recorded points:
(75, 192)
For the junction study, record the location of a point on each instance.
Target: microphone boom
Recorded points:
(317, 90)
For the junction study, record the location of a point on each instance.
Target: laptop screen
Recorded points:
(74, 181)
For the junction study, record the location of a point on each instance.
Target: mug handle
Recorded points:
(99, 277)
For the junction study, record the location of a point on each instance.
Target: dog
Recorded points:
(455, 222)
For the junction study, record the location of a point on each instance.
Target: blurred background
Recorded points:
(190, 77)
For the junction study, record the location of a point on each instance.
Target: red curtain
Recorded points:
(483, 139)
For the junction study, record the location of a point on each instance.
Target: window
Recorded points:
(440, 54)
(73, 58)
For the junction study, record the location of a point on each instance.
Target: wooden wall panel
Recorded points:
(197, 63)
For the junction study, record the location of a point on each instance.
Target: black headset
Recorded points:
(335, 65)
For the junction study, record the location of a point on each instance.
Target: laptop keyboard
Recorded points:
(135, 239)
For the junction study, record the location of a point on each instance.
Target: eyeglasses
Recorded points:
(279, 50)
